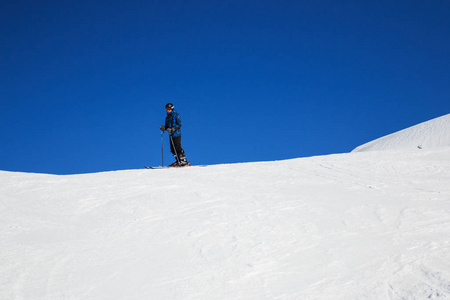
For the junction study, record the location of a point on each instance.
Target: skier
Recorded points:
(173, 127)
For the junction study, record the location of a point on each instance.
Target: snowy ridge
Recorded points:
(427, 135)
(371, 225)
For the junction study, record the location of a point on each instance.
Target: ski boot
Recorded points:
(174, 165)
(184, 162)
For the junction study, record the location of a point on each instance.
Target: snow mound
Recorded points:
(431, 134)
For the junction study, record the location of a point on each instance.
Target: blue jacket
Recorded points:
(173, 120)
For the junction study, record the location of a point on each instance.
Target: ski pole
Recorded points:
(162, 149)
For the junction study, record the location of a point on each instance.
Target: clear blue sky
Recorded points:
(83, 84)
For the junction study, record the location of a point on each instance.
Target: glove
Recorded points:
(162, 128)
(170, 130)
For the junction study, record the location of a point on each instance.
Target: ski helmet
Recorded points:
(170, 106)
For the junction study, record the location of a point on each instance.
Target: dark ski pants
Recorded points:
(179, 151)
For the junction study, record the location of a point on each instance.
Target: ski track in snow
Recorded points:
(368, 225)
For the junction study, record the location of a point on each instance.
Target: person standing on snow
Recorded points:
(173, 127)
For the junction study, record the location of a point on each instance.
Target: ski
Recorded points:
(156, 167)
(167, 167)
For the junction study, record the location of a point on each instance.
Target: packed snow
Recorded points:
(362, 225)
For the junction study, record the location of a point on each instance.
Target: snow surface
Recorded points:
(427, 135)
(365, 225)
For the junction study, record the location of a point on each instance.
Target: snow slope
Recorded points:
(366, 225)
(427, 135)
